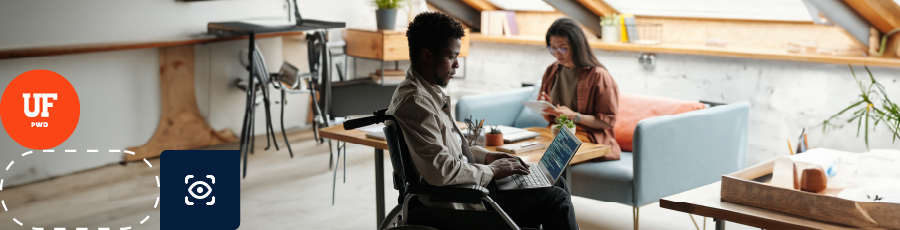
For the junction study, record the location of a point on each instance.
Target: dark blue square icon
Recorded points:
(200, 189)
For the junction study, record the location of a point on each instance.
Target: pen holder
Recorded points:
(476, 136)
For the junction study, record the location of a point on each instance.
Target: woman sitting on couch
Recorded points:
(580, 86)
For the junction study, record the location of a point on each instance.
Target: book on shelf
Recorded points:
(623, 32)
(499, 22)
(631, 28)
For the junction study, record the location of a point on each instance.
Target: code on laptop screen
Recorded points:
(559, 152)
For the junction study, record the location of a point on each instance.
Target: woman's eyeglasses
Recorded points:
(560, 50)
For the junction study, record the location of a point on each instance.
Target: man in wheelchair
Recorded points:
(436, 145)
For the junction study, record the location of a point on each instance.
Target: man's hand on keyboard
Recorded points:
(505, 167)
(492, 156)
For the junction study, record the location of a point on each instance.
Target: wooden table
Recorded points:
(337, 132)
(706, 201)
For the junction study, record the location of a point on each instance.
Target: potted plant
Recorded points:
(386, 14)
(560, 121)
(494, 138)
(610, 30)
(873, 106)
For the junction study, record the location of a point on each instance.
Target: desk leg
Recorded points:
(180, 124)
(379, 186)
(720, 224)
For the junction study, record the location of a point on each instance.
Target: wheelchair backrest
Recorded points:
(404, 170)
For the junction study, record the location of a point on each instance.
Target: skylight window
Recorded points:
(780, 10)
(522, 5)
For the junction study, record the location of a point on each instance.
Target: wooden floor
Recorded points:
(279, 193)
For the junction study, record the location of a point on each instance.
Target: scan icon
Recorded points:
(200, 189)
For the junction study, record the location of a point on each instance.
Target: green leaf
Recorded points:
(858, 126)
(867, 131)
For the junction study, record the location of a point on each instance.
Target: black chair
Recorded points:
(412, 214)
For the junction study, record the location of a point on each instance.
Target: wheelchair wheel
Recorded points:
(392, 221)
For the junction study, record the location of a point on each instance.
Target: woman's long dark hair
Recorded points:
(582, 55)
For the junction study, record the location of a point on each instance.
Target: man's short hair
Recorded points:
(432, 31)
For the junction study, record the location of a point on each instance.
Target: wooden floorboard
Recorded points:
(279, 192)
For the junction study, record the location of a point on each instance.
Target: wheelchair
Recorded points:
(412, 214)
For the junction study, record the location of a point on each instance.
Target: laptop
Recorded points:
(547, 171)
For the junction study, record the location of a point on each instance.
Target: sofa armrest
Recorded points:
(676, 153)
(500, 108)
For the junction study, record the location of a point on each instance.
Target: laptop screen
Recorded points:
(558, 154)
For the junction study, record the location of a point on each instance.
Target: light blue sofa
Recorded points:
(672, 154)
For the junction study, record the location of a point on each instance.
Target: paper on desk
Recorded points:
(376, 128)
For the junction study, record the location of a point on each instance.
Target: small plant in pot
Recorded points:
(494, 138)
(560, 121)
(386, 14)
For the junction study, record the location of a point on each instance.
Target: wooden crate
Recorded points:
(386, 45)
(742, 187)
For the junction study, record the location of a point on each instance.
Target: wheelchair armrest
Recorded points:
(450, 193)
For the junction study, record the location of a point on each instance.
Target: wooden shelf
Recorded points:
(702, 50)
(89, 48)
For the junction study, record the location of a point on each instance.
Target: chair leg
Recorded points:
(252, 131)
(636, 214)
(694, 221)
(283, 132)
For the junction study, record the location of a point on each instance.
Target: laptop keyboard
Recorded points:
(533, 179)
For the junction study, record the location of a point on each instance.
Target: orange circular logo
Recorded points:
(40, 109)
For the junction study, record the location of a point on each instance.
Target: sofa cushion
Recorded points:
(633, 108)
(530, 118)
(610, 181)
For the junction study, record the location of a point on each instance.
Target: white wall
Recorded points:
(133, 75)
(784, 95)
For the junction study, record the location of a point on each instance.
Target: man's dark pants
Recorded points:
(551, 206)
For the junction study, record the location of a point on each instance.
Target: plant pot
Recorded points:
(386, 18)
(610, 34)
(493, 139)
(554, 130)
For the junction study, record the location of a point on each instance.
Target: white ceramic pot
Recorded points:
(553, 130)
(610, 34)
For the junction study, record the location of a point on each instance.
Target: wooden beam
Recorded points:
(481, 5)
(883, 14)
(104, 47)
(599, 7)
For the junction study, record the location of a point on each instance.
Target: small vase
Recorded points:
(554, 130)
(610, 34)
(386, 18)
(493, 139)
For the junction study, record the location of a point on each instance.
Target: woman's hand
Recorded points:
(561, 110)
(544, 97)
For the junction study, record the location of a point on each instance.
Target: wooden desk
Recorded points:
(706, 201)
(337, 132)
(586, 152)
